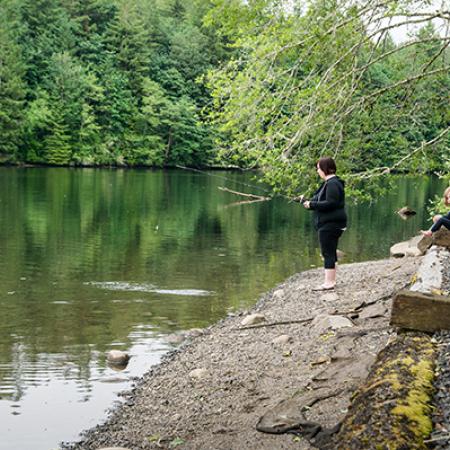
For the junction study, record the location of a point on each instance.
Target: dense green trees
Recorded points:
(327, 78)
(98, 82)
(12, 87)
(126, 82)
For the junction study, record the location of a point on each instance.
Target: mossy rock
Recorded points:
(392, 410)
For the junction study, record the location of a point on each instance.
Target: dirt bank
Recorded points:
(246, 374)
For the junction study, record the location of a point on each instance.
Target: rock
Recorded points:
(288, 416)
(324, 322)
(321, 360)
(407, 248)
(399, 250)
(117, 358)
(425, 243)
(198, 374)
(430, 273)
(278, 294)
(194, 332)
(253, 319)
(413, 251)
(406, 212)
(372, 311)
(330, 297)
(300, 287)
(345, 371)
(175, 339)
(283, 339)
(440, 238)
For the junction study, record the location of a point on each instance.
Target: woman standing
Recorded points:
(330, 219)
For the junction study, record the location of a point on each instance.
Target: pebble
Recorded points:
(278, 294)
(330, 297)
(198, 374)
(253, 319)
(194, 332)
(283, 339)
(175, 339)
(324, 322)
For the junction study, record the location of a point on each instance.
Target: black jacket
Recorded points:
(328, 205)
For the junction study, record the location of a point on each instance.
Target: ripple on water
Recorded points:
(145, 287)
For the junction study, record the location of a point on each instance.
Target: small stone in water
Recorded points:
(117, 357)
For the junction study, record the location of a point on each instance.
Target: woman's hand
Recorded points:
(426, 233)
(299, 199)
(306, 204)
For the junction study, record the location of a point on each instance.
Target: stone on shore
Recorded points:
(440, 238)
(198, 374)
(330, 297)
(253, 319)
(407, 248)
(282, 340)
(324, 322)
(278, 294)
(194, 332)
(372, 311)
(117, 358)
(175, 339)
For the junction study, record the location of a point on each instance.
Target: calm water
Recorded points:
(94, 260)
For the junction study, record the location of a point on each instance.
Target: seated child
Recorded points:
(440, 220)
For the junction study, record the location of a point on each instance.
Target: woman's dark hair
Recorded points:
(327, 165)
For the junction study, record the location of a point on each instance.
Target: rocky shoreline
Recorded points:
(312, 349)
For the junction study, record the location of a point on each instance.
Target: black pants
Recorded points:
(442, 221)
(328, 240)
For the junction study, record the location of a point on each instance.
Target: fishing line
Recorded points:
(269, 192)
(229, 180)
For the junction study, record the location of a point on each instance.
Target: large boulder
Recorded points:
(407, 248)
(441, 238)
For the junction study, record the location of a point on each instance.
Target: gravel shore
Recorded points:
(212, 392)
(440, 438)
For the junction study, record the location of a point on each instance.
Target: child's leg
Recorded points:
(442, 221)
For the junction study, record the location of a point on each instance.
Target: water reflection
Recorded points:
(94, 260)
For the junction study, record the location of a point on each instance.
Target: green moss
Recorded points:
(416, 407)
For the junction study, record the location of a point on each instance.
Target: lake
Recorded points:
(96, 259)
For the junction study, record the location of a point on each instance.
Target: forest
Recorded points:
(267, 84)
(100, 82)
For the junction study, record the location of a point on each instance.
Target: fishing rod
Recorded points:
(269, 192)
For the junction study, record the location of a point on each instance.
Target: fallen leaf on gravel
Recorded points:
(176, 442)
(327, 336)
(154, 437)
(437, 291)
